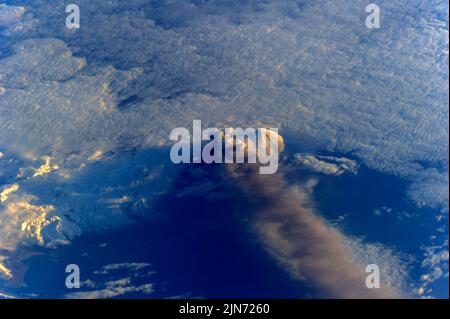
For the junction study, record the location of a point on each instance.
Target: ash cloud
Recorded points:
(303, 243)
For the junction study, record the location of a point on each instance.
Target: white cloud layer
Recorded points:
(134, 71)
(312, 69)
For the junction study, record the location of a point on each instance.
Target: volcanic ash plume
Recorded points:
(300, 240)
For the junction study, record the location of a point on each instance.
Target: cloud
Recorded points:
(435, 264)
(7, 190)
(127, 266)
(4, 271)
(44, 76)
(112, 289)
(326, 164)
(117, 286)
(46, 167)
(6, 296)
(341, 87)
(50, 60)
(10, 14)
(23, 222)
(387, 211)
(313, 70)
(15, 20)
(67, 207)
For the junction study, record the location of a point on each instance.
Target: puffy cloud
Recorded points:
(62, 109)
(111, 290)
(117, 286)
(10, 14)
(38, 60)
(327, 164)
(15, 21)
(435, 266)
(314, 70)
